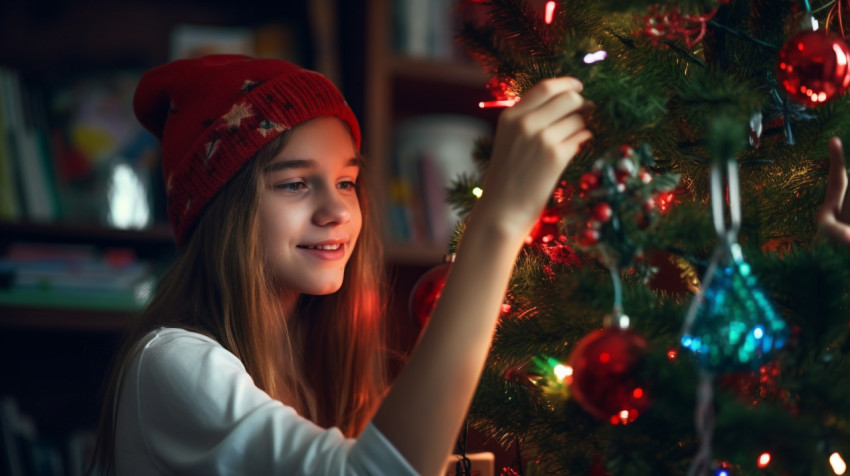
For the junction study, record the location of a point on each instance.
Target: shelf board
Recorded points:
(445, 71)
(159, 233)
(31, 317)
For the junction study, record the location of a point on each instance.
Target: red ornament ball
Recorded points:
(590, 180)
(426, 292)
(588, 237)
(605, 364)
(546, 230)
(602, 212)
(814, 67)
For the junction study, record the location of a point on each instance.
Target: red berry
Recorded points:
(588, 237)
(602, 212)
(589, 181)
(645, 176)
(626, 151)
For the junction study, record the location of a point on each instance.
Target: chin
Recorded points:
(319, 289)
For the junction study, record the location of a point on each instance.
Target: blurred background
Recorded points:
(83, 232)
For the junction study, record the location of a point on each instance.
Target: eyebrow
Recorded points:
(305, 164)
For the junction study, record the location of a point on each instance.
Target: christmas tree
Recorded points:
(709, 160)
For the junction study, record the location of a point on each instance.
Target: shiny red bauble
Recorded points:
(546, 231)
(426, 292)
(602, 212)
(588, 237)
(814, 67)
(606, 366)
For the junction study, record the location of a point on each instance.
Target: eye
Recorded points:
(348, 185)
(291, 187)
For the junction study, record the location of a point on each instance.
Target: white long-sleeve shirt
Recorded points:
(187, 406)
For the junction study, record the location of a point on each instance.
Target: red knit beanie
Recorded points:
(212, 114)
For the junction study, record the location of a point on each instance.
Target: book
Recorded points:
(10, 208)
(429, 152)
(27, 148)
(74, 276)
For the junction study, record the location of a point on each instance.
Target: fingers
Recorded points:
(563, 129)
(834, 213)
(558, 107)
(835, 230)
(836, 185)
(836, 153)
(543, 91)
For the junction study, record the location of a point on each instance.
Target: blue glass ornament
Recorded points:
(731, 323)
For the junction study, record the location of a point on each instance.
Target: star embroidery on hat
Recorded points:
(237, 113)
(249, 86)
(266, 127)
(210, 148)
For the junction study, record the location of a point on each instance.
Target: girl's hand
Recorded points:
(834, 213)
(535, 140)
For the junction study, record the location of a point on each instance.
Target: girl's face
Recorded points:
(309, 211)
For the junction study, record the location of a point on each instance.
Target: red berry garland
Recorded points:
(620, 196)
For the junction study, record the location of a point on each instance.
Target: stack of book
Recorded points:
(74, 276)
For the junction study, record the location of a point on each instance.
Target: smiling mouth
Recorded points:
(333, 247)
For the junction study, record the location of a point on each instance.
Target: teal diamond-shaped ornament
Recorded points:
(731, 323)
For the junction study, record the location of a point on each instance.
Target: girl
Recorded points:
(262, 351)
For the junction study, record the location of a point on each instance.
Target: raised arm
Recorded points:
(834, 213)
(535, 140)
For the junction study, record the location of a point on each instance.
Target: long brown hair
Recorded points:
(327, 361)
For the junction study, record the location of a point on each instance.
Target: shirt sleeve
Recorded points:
(199, 412)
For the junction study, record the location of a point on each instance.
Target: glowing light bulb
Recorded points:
(837, 463)
(595, 57)
(562, 371)
(549, 14)
(764, 460)
(498, 103)
(478, 191)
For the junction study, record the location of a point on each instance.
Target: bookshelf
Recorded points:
(399, 87)
(55, 357)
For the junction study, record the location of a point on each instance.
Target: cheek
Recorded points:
(357, 219)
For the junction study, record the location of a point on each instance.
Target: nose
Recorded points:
(332, 209)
